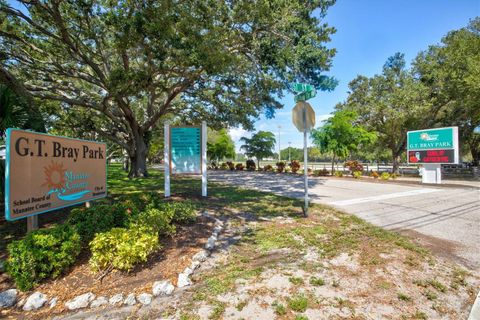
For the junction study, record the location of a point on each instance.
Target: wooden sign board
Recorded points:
(45, 173)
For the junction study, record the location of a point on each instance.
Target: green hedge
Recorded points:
(100, 218)
(119, 236)
(42, 254)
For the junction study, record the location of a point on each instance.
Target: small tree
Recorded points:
(260, 145)
(340, 135)
(220, 145)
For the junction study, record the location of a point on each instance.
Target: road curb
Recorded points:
(475, 312)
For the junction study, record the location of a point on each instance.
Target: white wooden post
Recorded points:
(204, 159)
(166, 158)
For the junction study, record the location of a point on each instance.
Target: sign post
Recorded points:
(45, 173)
(204, 159)
(166, 158)
(432, 148)
(303, 117)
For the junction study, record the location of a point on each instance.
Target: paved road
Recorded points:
(445, 219)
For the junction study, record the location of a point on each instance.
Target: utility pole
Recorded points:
(289, 149)
(279, 150)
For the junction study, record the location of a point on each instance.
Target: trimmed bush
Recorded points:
(357, 174)
(374, 174)
(354, 166)
(251, 166)
(239, 167)
(385, 176)
(295, 165)
(122, 248)
(100, 218)
(267, 168)
(338, 174)
(280, 166)
(155, 221)
(231, 165)
(183, 212)
(321, 173)
(223, 166)
(42, 254)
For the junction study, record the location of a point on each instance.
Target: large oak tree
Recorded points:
(130, 63)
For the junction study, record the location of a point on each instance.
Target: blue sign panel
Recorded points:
(185, 144)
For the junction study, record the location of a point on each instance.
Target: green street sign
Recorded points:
(302, 87)
(304, 96)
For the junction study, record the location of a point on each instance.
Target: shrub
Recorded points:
(288, 170)
(385, 176)
(251, 166)
(239, 167)
(338, 174)
(323, 172)
(394, 176)
(280, 166)
(267, 168)
(354, 166)
(231, 165)
(183, 212)
(295, 165)
(100, 218)
(374, 174)
(223, 166)
(122, 248)
(155, 221)
(42, 254)
(357, 174)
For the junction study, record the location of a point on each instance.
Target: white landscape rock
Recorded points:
(194, 265)
(201, 256)
(183, 280)
(8, 298)
(130, 300)
(53, 302)
(35, 301)
(188, 271)
(144, 298)
(116, 299)
(163, 288)
(98, 302)
(79, 302)
(211, 243)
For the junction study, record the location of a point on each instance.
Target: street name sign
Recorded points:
(433, 146)
(45, 173)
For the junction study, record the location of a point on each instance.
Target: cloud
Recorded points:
(237, 133)
(322, 117)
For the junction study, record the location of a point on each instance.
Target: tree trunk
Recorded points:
(138, 157)
(333, 164)
(396, 163)
(474, 145)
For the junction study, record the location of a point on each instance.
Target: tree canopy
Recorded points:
(390, 104)
(260, 145)
(340, 135)
(451, 72)
(220, 145)
(132, 63)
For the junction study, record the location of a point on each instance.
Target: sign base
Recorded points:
(432, 173)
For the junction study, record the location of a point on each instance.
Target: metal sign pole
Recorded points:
(305, 159)
(204, 158)
(166, 158)
(32, 223)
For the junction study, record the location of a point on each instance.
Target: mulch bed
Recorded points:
(166, 264)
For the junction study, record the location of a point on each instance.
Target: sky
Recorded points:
(368, 32)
